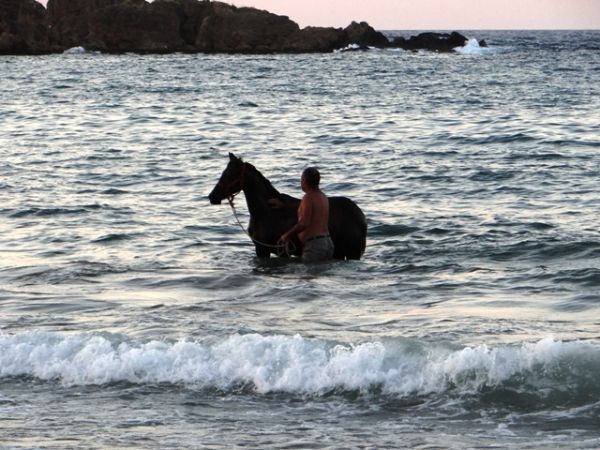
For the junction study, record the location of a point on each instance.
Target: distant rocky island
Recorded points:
(190, 26)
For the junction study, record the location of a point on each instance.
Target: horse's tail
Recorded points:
(362, 235)
(363, 238)
(348, 228)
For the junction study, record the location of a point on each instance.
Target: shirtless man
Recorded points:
(313, 218)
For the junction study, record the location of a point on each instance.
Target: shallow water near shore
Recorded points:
(134, 313)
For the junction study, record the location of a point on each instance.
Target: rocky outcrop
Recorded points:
(118, 26)
(364, 35)
(316, 40)
(22, 28)
(192, 26)
(244, 30)
(166, 26)
(437, 42)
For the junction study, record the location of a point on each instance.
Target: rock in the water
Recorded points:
(22, 28)
(316, 40)
(117, 25)
(364, 35)
(243, 30)
(166, 26)
(438, 42)
(192, 26)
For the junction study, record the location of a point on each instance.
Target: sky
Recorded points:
(437, 14)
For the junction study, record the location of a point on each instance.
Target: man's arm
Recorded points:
(304, 217)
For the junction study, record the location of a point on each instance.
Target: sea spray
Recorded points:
(472, 47)
(297, 365)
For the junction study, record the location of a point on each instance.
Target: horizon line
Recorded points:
(486, 29)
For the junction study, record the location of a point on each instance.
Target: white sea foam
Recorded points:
(472, 47)
(74, 51)
(281, 363)
(348, 48)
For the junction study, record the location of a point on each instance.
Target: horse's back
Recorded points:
(348, 228)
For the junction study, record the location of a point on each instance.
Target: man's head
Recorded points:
(310, 178)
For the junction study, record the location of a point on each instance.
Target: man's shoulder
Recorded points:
(313, 196)
(316, 193)
(320, 195)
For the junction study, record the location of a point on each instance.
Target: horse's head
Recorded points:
(231, 181)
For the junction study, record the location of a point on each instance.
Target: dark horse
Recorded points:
(347, 223)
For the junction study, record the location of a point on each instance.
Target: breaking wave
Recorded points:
(547, 371)
(472, 47)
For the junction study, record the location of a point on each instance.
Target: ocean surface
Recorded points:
(134, 314)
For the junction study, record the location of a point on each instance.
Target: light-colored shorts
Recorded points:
(317, 248)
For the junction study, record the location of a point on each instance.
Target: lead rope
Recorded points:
(286, 249)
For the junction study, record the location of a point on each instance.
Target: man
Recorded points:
(313, 219)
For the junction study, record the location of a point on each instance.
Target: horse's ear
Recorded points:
(232, 157)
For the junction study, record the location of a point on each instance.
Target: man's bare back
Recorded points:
(312, 227)
(314, 212)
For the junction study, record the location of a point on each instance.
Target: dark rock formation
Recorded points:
(192, 26)
(166, 26)
(22, 28)
(316, 40)
(438, 42)
(244, 30)
(365, 36)
(117, 25)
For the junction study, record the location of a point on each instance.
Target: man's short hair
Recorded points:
(312, 177)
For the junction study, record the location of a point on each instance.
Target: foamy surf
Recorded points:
(296, 365)
(349, 48)
(80, 51)
(75, 51)
(472, 47)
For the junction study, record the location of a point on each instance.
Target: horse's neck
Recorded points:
(258, 191)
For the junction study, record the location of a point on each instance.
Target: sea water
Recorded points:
(134, 314)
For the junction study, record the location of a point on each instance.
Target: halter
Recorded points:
(239, 179)
(284, 249)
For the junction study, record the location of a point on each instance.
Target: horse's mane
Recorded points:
(261, 177)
